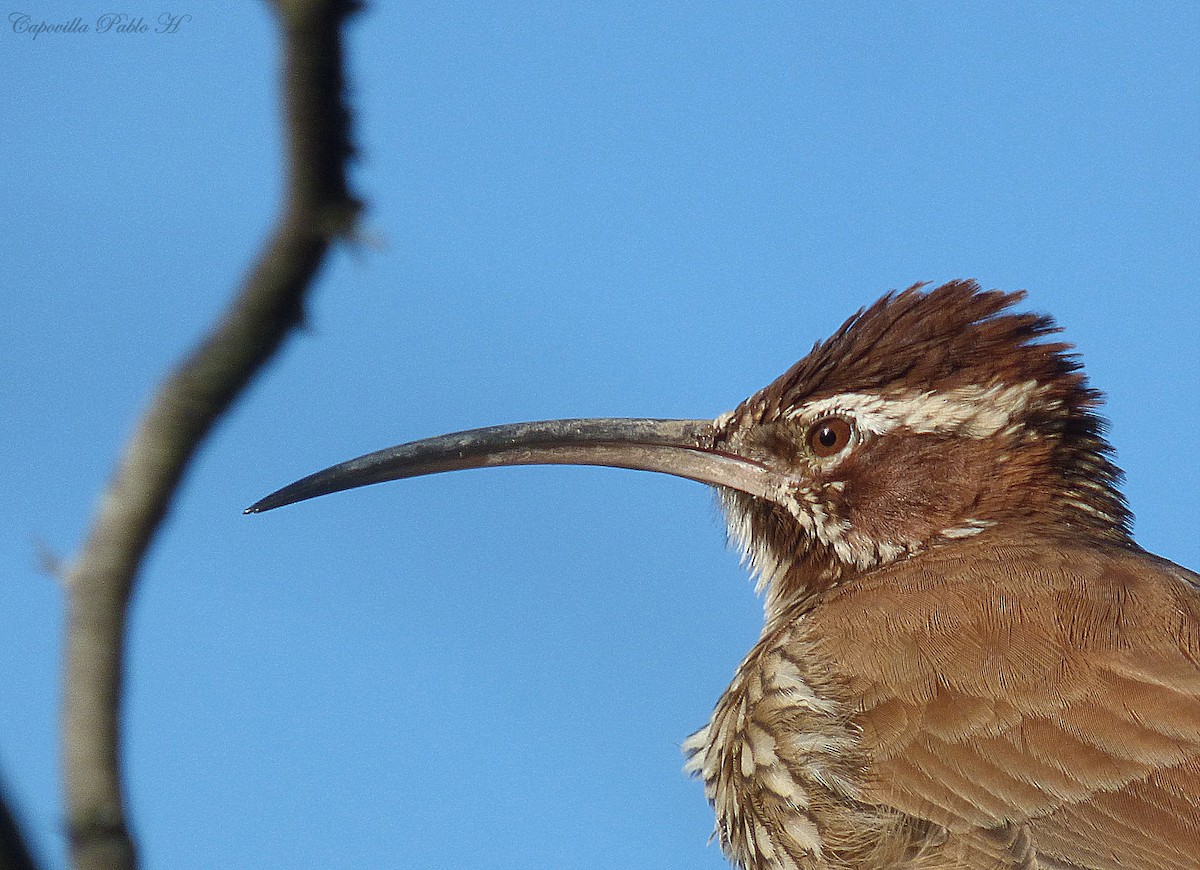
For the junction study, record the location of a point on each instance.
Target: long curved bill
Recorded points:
(683, 448)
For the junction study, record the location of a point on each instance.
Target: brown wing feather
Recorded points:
(1009, 846)
(1052, 688)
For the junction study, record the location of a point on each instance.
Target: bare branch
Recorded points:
(319, 207)
(14, 853)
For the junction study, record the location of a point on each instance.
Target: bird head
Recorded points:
(928, 418)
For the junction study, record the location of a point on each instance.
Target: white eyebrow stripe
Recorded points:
(971, 410)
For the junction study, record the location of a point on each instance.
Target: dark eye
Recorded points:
(829, 437)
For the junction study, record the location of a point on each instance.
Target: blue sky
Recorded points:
(625, 209)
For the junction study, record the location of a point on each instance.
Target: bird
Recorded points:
(966, 661)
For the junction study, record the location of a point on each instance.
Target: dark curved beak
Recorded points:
(684, 448)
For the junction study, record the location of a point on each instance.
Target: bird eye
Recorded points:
(829, 437)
